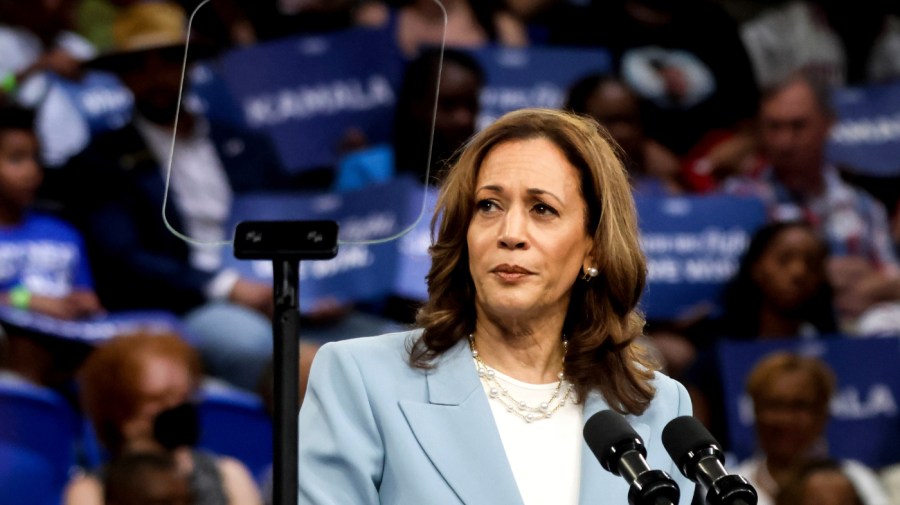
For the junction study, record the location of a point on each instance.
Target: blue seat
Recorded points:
(38, 434)
(235, 423)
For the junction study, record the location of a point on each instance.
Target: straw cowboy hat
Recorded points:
(148, 26)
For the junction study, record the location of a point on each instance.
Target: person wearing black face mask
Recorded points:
(136, 390)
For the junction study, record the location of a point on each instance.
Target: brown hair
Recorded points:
(794, 490)
(111, 375)
(779, 363)
(602, 321)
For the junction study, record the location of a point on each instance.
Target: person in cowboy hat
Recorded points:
(117, 186)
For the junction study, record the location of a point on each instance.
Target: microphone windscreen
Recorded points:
(684, 434)
(605, 429)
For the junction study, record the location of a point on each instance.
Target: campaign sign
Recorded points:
(308, 93)
(208, 95)
(693, 246)
(866, 137)
(865, 422)
(414, 260)
(101, 100)
(518, 78)
(359, 271)
(96, 329)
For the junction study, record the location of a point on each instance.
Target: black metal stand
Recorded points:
(286, 243)
(286, 332)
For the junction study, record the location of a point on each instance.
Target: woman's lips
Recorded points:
(510, 272)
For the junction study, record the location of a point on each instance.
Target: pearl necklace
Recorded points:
(528, 413)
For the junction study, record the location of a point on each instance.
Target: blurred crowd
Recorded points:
(704, 97)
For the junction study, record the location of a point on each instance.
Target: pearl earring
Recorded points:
(590, 273)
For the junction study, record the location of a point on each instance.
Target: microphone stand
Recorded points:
(285, 243)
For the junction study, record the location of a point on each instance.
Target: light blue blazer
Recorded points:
(373, 430)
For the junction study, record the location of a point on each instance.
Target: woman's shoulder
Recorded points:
(671, 398)
(364, 350)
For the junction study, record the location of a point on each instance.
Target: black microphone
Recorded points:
(621, 451)
(700, 459)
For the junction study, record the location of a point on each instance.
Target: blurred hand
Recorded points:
(72, 306)
(255, 295)
(87, 303)
(857, 284)
(735, 156)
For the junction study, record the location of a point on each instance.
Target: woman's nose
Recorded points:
(513, 233)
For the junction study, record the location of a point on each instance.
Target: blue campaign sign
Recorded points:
(866, 137)
(209, 95)
(533, 76)
(360, 271)
(95, 329)
(100, 98)
(308, 93)
(865, 421)
(414, 260)
(693, 246)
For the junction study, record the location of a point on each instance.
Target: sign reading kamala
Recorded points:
(865, 417)
(309, 93)
(866, 137)
(517, 78)
(360, 271)
(95, 329)
(693, 246)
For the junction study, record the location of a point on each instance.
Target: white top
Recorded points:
(863, 478)
(200, 189)
(545, 455)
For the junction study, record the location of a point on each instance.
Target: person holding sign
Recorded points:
(529, 329)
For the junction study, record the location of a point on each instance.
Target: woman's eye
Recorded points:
(486, 205)
(543, 209)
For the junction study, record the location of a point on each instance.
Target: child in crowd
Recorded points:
(43, 263)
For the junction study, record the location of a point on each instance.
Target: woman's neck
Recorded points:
(530, 355)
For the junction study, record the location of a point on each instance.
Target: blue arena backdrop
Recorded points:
(866, 136)
(865, 422)
(693, 246)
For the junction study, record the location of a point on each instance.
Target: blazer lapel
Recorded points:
(457, 431)
(595, 480)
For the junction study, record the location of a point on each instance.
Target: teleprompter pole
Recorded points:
(286, 332)
(285, 243)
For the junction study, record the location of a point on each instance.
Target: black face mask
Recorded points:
(178, 426)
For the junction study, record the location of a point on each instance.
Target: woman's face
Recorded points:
(791, 269)
(788, 419)
(164, 383)
(527, 239)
